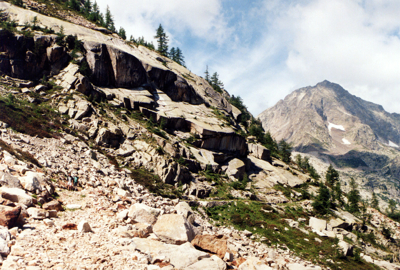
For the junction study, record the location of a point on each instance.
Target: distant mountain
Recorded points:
(328, 121)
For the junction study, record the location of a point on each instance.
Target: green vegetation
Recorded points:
(162, 41)
(263, 221)
(354, 198)
(238, 103)
(177, 56)
(322, 203)
(154, 184)
(305, 165)
(35, 120)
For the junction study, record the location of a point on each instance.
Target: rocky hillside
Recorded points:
(167, 177)
(330, 124)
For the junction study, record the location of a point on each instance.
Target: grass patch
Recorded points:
(154, 184)
(263, 221)
(34, 120)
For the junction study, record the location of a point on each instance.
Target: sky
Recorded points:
(265, 49)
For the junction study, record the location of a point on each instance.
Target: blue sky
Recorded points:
(265, 49)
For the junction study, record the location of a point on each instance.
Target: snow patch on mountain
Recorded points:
(330, 126)
(345, 141)
(392, 144)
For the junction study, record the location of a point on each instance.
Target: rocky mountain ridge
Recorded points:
(329, 123)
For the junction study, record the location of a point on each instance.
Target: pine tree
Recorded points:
(391, 207)
(74, 4)
(95, 15)
(374, 201)
(87, 7)
(284, 151)
(299, 161)
(172, 54)
(122, 33)
(109, 21)
(332, 176)
(354, 197)
(322, 202)
(179, 58)
(207, 77)
(162, 40)
(215, 82)
(338, 194)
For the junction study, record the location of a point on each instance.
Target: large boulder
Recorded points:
(173, 229)
(236, 169)
(9, 216)
(317, 224)
(346, 248)
(53, 205)
(142, 213)
(37, 213)
(259, 151)
(180, 256)
(30, 182)
(211, 243)
(16, 195)
(8, 180)
(212, 263)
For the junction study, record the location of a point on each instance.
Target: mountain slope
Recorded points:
(358, 136)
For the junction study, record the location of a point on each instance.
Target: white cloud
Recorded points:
(265, 49)
(141, 18)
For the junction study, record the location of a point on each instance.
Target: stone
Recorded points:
(52, 213)
(211, 243)
(123, 193)
(212, 263)
(259, 151)
(173, 229)
(5, 234)
(69, 226)
(83, 109)
(40, 88)
(180, 256)
(253, 263)
(143, 214)
(16, 195)
(317, 224)
(142, 230)
(338, 223)
(53, 205)
(30, 182)
(346, 216)
(228, 257)
(8, 180)
(37, 213)
(236, 169)
(9, 217)
(4, 249)
(183, 209)
(122, 215)
(84, 227)
(48, 222)
(346, 248)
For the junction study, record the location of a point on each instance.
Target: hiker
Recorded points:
(69, 182)
(75, 182)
